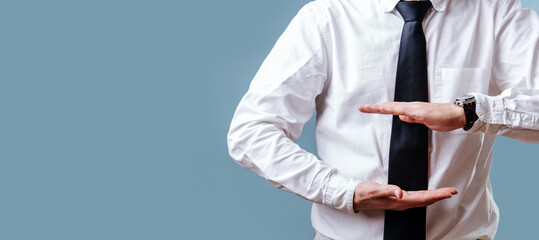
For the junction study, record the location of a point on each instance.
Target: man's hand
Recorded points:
(436, 116)
(371, 195)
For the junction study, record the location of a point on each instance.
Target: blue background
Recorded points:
(114, 117)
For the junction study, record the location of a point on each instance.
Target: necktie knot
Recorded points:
(413, 10)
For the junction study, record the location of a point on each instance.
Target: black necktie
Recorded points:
(408, 153)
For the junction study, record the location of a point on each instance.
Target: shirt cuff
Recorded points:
(490, 111)
(339, 193)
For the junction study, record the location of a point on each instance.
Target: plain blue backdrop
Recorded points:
(114, 117)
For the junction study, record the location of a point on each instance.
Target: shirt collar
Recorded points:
(389, 5)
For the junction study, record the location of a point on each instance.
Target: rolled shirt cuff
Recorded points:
(503, 111)
(490, 111)
(339, 193)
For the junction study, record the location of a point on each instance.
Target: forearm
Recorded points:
(265, 149)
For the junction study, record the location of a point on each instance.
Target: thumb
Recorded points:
(391, 191)
(407, 119)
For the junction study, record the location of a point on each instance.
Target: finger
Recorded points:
(384, 108)
(451, 190)
(415, 110)
(366, 108)
(439, 196)
(397, 191)
(412, 199)
(435, 196)
(401, 108)
(426, 197)
(389, 107)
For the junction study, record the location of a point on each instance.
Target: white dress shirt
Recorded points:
(338, 54)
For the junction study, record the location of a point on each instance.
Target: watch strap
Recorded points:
(468, 103)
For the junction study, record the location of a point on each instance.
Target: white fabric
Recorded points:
(338, 54)
(320, 236)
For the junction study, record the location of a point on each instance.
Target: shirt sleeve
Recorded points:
(280, 100)
(515, 111)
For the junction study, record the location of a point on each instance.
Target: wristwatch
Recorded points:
(468, 103)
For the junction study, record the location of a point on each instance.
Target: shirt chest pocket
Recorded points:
(450, 83)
